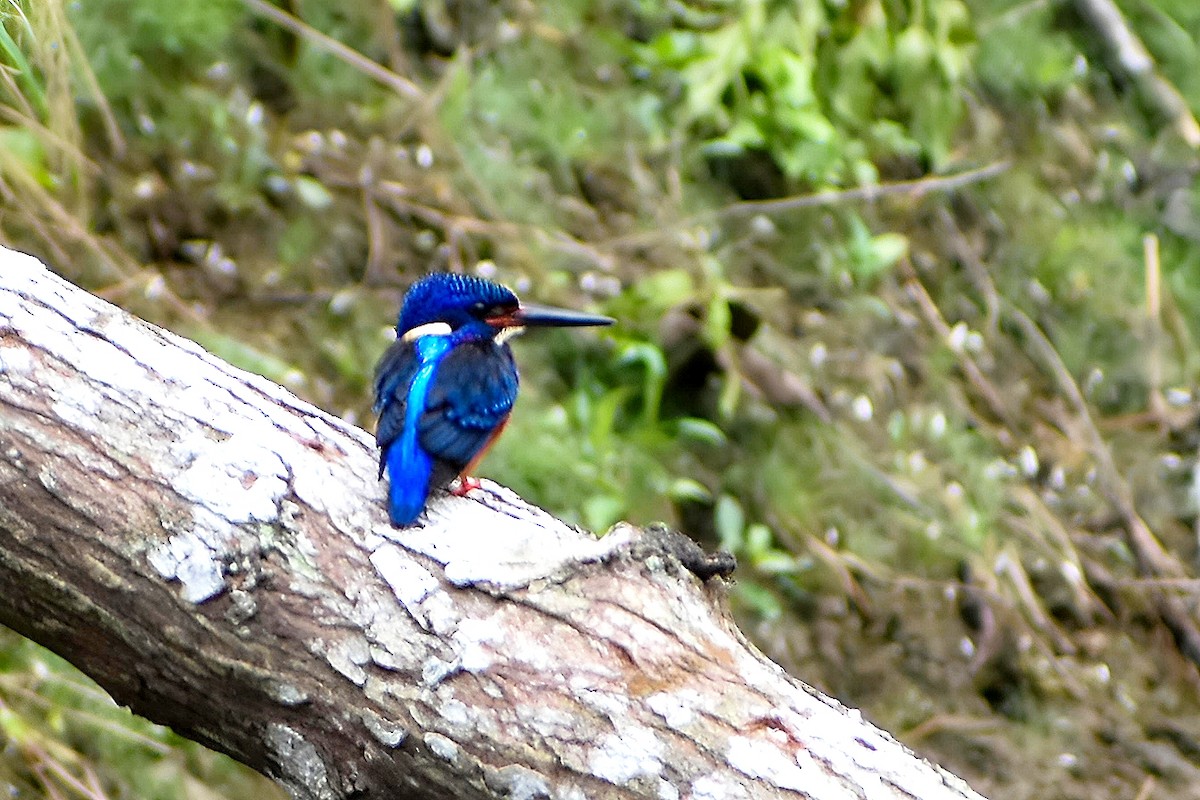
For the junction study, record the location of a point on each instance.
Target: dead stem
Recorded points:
(933, 317)
(1154, 333)
(1152, 558)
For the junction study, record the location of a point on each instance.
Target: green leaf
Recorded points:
(602, 511)
(686, 489)
(701, 430)
(888, 248)
(873, 255)
(12, 54)
(313, 193)
(776, 562)
(666, 289)
(759, 599)
(730, 521)
(654, 364)
(21, 148)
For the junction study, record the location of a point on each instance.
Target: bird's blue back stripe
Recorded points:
(409, 466)
(408, 489)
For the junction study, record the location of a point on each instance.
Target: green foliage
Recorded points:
(1170, 29)
(12, 54)
(1048, 62)
(827, 90)
(870, 255)
(64, 737)
(524, 118)
(24, 152)
(162, 44)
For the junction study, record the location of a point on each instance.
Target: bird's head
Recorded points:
(444, 303)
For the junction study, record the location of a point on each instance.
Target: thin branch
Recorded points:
(1149, 551)
(933, 316)
(830, 197)
(398, 83)
(1151, 556)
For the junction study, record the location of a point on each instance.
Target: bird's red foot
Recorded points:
(465, 485)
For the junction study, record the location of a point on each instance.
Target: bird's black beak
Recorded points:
(535, 316)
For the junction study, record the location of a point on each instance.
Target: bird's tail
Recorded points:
(408, 483)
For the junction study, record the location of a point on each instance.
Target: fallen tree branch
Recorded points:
(215, 553)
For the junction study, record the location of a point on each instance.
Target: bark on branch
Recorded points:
(215, 553)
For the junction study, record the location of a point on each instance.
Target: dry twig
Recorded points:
(397, 83)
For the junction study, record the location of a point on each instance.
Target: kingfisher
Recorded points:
(445, 388)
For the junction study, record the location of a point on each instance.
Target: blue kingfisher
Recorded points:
(445, 388)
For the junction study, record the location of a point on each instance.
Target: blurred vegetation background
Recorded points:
(909, 302)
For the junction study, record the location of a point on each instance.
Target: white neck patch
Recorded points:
(507, 333)
(428, 329)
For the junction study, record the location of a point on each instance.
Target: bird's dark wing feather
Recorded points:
(395, 372)
(471, 396)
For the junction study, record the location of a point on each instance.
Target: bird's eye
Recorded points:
(485, 311)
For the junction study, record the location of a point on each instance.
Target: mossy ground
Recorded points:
(913, 417)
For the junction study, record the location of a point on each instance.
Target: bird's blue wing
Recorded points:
(402, 385)
(439, 405)
(469, 400)
(393, 377)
